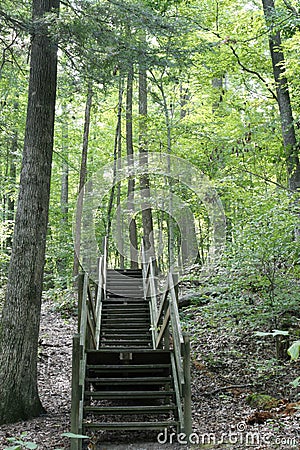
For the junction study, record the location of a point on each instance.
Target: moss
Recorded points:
(262, 401)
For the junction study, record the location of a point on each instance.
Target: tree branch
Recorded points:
(14, 22)
(291, 8)
(8, 48)
(267, 180)
(253, 72)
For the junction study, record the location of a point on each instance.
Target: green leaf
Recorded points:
(296, 382)
(31, 445)
(273, 333)
(15, 447)
(280, 333)
(261, 333)
(75, 436)
(294, 350)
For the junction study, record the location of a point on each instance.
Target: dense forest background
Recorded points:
(215, 82)
(211, 96)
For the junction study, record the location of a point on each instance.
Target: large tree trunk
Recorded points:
(284, 102)
(144, 179)
(82, 180)
(21, 313)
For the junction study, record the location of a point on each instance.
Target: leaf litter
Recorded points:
(226, 368)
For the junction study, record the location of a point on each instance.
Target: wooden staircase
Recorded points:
(125, 312)
(121, 378)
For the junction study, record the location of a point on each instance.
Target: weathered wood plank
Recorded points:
(187, 400)
(75, 390)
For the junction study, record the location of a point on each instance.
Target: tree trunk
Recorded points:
(64, 193)
(61, 261)
(144, 179)
(119, 159)
(10, 196)
(184, 99)
(82, 180)
(131, 180)
(21, 312)
(117, 147)
(284, 102)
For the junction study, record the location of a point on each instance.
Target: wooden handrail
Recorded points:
(101, 291)
(167, 334)
(90, 298)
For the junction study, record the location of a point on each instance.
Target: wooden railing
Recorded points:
(90, 297)
(167, 334)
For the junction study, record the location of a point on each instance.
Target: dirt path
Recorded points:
(220, 387)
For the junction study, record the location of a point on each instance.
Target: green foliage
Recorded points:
(274, 333)
(294, 350)
(75, 436)
(262, 401)
(210, 74)
(296, 382)
(20, 443)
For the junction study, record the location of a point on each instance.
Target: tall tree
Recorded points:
(19, 328)
(131, 181)
(144, 179)
(283, 98)
(82, 180)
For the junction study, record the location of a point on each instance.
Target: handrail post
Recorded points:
(175, 279)
(76, 394)
(187, 401)
(105, 258)
(80, 295)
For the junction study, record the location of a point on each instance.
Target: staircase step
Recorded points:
(121, 395)
(125, 272)
(142, 332)
(127, 338)
(136, 321)
(124, 330)
(123, 304)
(120, 317)
(129, 426)
(127, 315)
(159, 409)
(129, 344)
(120, 339)
(133, 380)
(127, 366)
(124, 294)
(112, 300)
(124, 281)
(116, 303)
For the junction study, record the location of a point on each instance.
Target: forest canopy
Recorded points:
(211, 98)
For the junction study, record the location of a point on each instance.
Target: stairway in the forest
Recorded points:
(128, 384)
(125, 312)
(127, 373)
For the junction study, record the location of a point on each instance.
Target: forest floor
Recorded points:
(228, 365)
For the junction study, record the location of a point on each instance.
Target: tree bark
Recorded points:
(10, 196)
(131, 180)
(147, 218)
(82, 180)
(284, 102)
(64, 193)
(21, 312)
(117, 146)
(119, 162)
